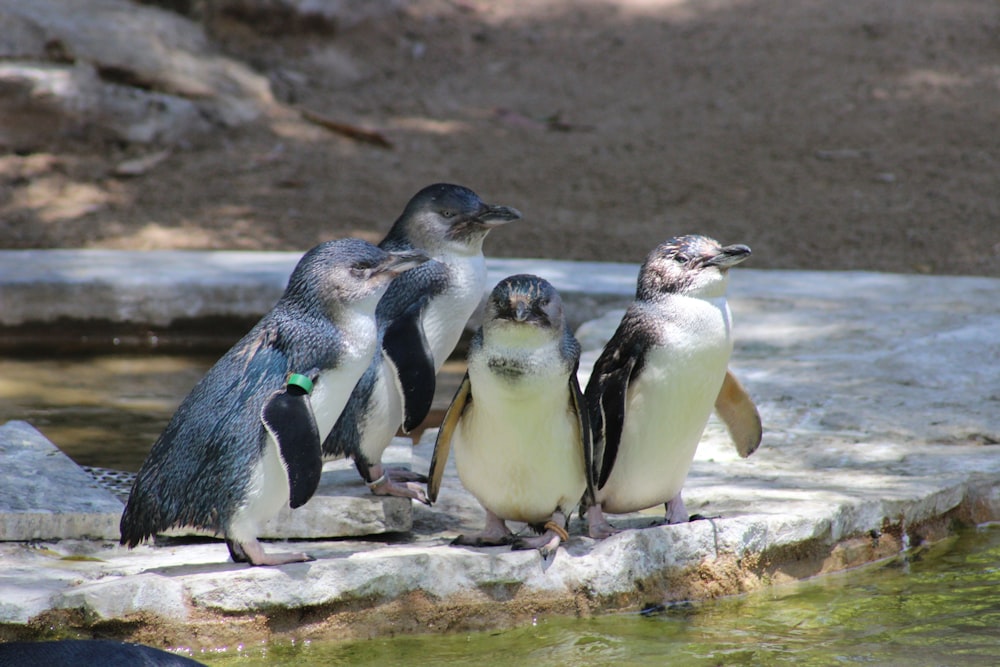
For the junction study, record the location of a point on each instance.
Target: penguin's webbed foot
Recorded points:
(597, 526)
(398, 482)
(385, 486)
(553, 533)
(547, 544)
(494, 534)
(482, 540)
(404, 475)
(675, 510)
(252, 552)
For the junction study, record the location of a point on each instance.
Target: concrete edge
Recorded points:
(160, 287)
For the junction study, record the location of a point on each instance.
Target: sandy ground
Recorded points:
(862, 134)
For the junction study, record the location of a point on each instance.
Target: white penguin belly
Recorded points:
(666, 410)
(517, 448)
(269, 490)
(331, 392)
(446, 315)
(334, 386)
(267, 493)
(384, 416)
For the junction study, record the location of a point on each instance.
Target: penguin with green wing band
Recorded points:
(247, 440)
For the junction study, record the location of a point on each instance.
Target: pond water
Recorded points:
(102, 410)
(106, 410)
(933, 606)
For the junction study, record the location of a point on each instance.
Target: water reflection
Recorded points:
(106, 410)
(102, 410)
(936, 607)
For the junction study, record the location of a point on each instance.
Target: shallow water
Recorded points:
(103, 410)
(936, 606)
(106, 410)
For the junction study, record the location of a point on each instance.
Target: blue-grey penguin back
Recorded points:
(197, 472)
(218, 428)
(87, 653)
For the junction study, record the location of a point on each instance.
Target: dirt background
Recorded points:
(857, 134)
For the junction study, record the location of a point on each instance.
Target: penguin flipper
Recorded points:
(737, 410)
(610, 380)
(442, 446)
(288, 417)
(406, 348)
(579, 407)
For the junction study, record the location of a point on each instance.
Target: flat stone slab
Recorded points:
(45, 496)
(155, 287)
(879, 396)
(158, 288)
(342, 506)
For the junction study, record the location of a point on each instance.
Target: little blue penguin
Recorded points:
(247, 440)
(656, 381)
(87, 653)
(420, 320)
(518, 423)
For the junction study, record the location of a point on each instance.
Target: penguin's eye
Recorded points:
(448, 213)
(681, 258)
(363, 269)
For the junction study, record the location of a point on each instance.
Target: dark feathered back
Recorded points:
(198, 470)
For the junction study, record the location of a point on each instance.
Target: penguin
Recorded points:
(657, 380)
(104, 652)
(518, 423)
(247, 440)
(420, 320)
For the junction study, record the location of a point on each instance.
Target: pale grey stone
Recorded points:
(45, 495)
(139, 74)
(155, 287)
(121, 597)
(343, 506)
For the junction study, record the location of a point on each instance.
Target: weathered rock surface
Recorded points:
(115, 69)
(45, 496)
(157, 288)
(879, 397)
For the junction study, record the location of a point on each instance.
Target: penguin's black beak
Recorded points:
(729, 256)
(521, 311)
(493, 216)
(401, 261)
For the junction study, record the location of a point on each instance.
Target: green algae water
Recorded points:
(933, 606)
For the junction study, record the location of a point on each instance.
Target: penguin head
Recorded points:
(346, 273)
(445, 216)
(691, 265)
(526, 302)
